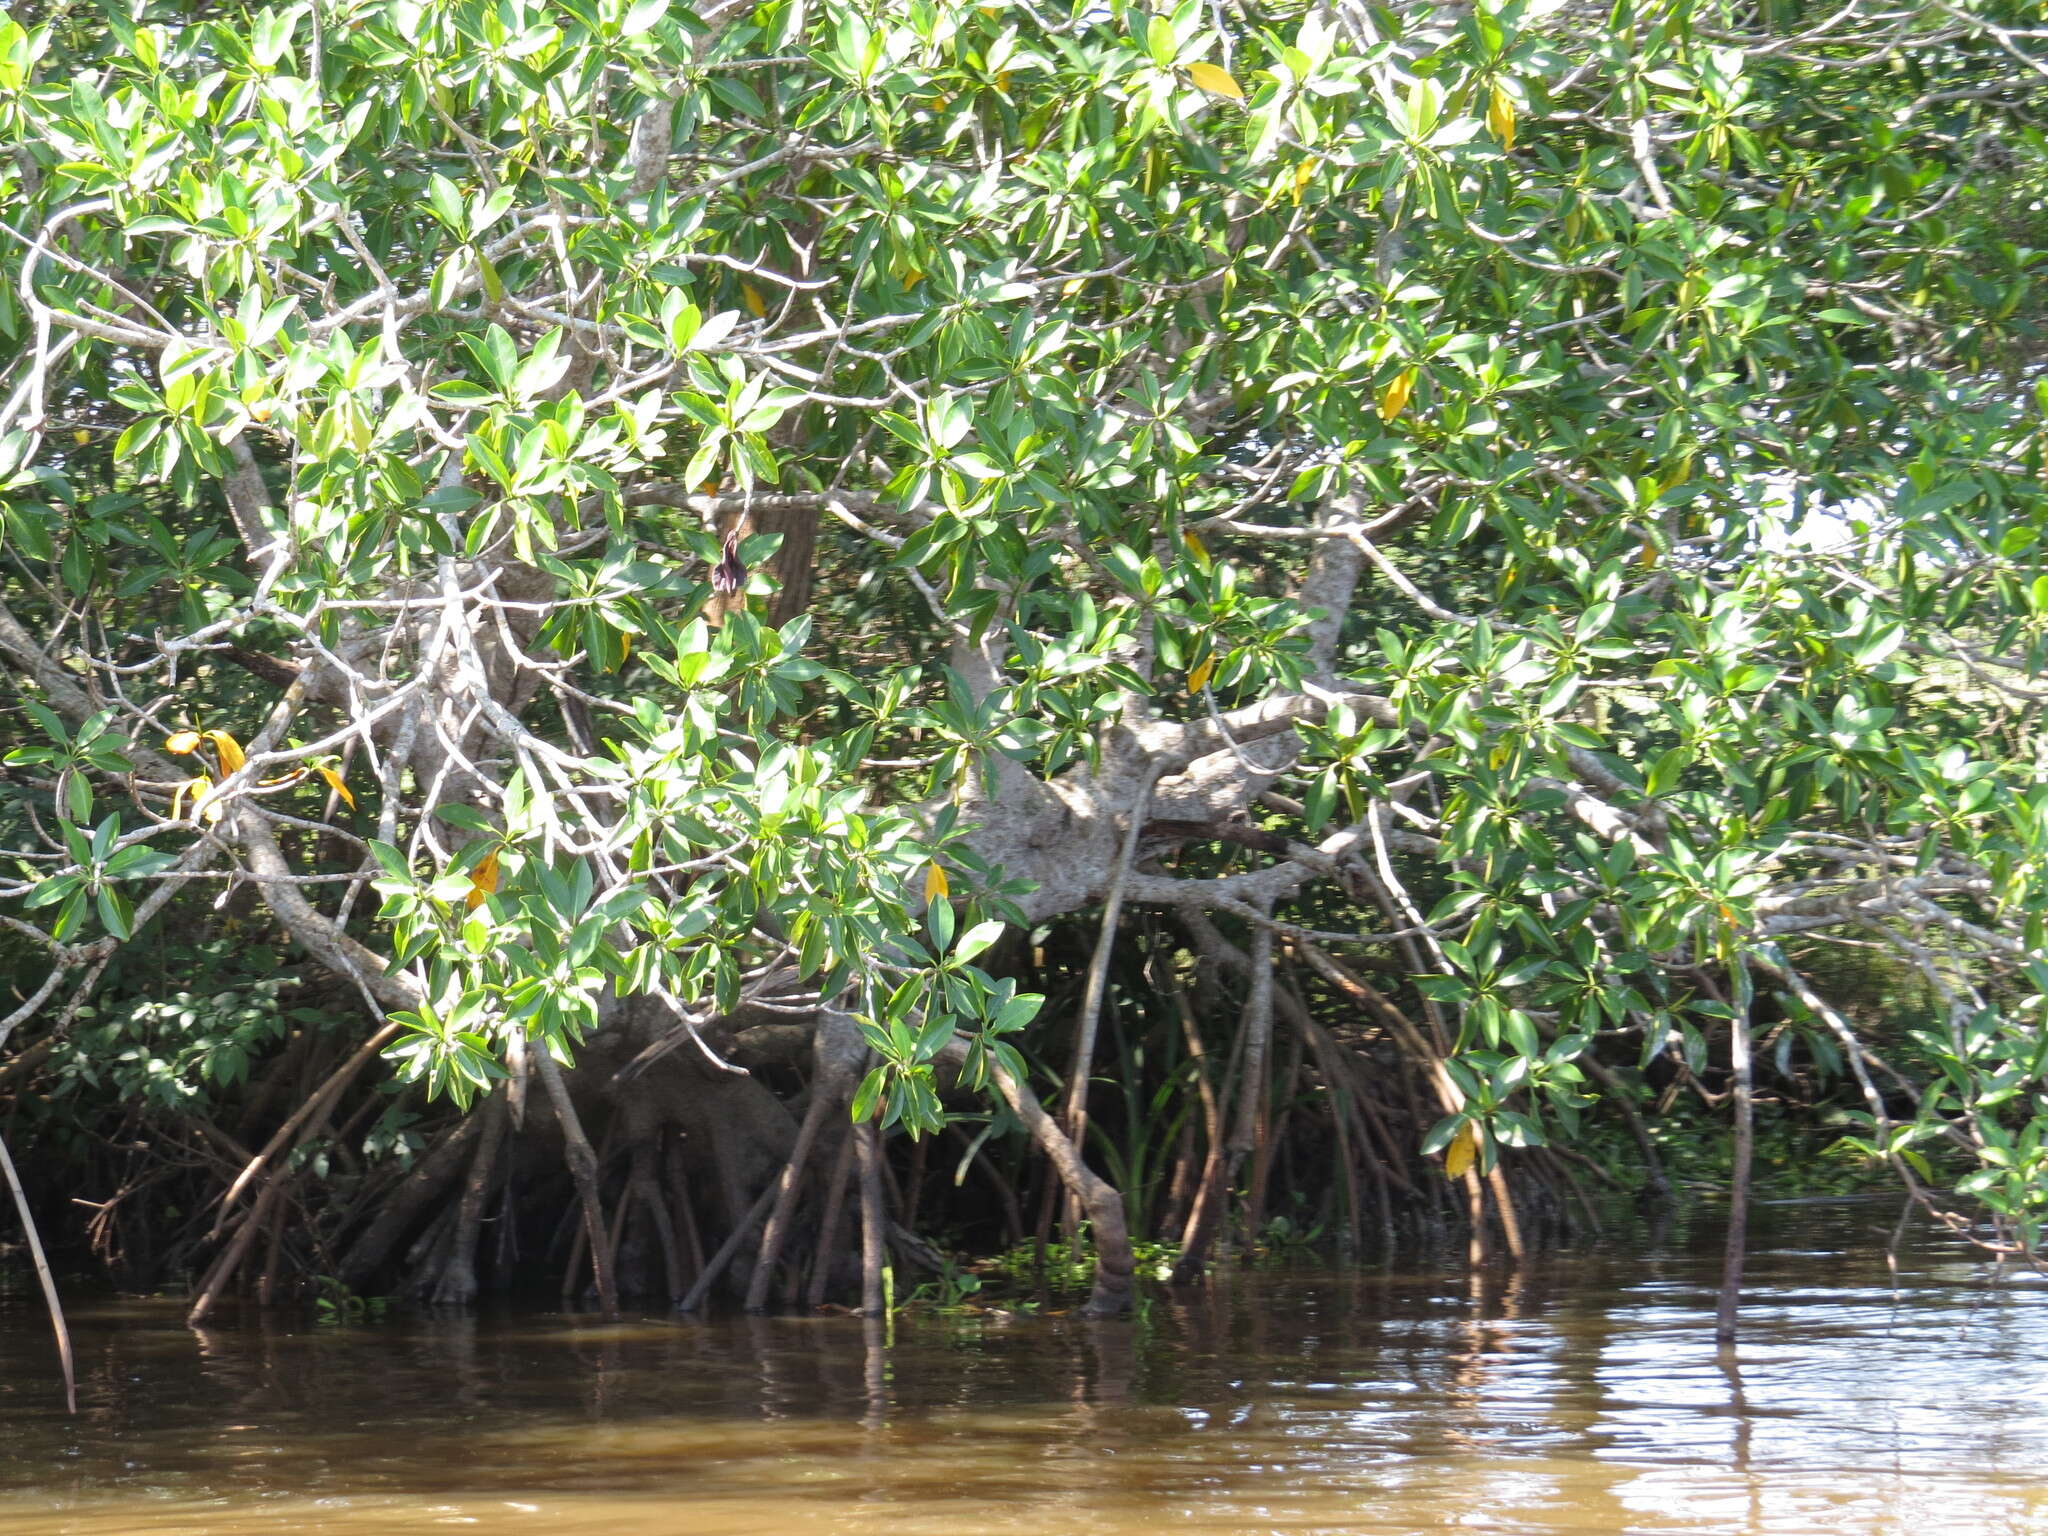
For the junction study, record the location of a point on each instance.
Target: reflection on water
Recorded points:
(1584, 1395)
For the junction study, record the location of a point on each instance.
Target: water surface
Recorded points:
(1585, 1395)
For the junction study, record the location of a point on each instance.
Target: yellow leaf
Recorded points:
(334, 783)
(756, 305)
(1195, 545)
(1394, 398)
(1073, 285)
(1200, 674)
(182, 742)
(196, 787)
(936, 886)
(228, 749)
(1216, 82)
(482, 881)
(1459, 1155)
(1500, 117)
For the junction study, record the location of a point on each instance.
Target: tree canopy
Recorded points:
(617, 527)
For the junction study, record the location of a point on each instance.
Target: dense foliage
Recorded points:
(1458, 555)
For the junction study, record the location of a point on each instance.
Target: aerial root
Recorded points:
(729, 1250)
(456, 1283)
(831, 1225)
(582, 1161)
(831, 1089)
(643, 1188)
(867, 1147)
(402, 1206)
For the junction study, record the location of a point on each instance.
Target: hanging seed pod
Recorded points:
(730, 575)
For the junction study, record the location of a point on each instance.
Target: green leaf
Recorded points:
(78, 796)
(445, 202)
(868, 1096)
(975, 940)
(644, 16)
(115, 914)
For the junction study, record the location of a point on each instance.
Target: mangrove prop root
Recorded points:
(1738, 1175)
(1114, 1264)
(643, 1186)
(302, 1121)
(1074, 1109)
(44, 1278)
(829, 1227)
(867, 1143)
(222, 1271)
(685, 1209)
(457, 1283)
(840, 1052)
(1337, 1086)
(728, 1250)
(1013, 1210)
(402, 1206)
(1207, 1185)
(787, 1186)
(1426, 1056)
(224, 1268)
(1271, 1137)
(583, 1169)
(1504, 1202)
(273, 1255)
(579, 1243)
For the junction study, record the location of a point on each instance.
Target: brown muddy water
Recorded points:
(1586, 1395)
